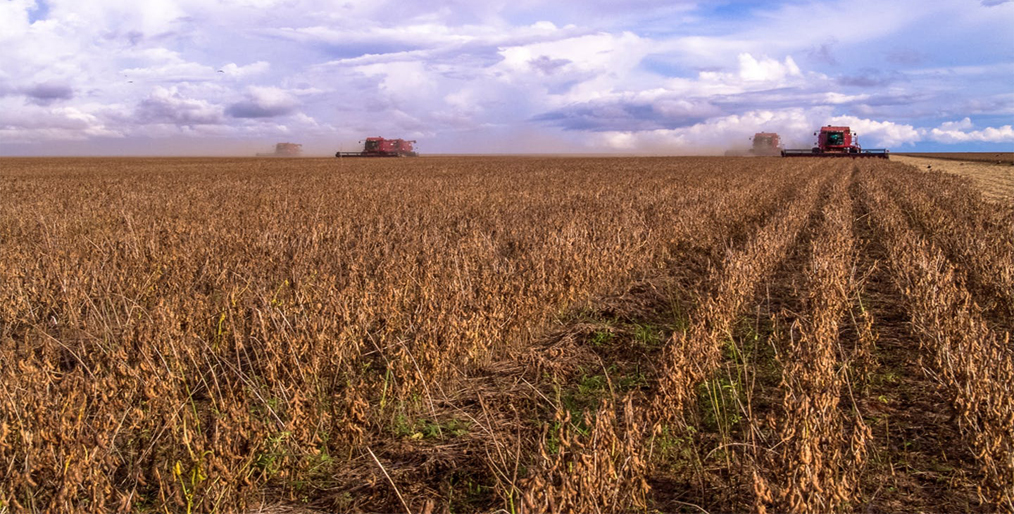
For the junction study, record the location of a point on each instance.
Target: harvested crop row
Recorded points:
(973, 362)
(977, 237)
(689, 359)
(598, 462)
(600, 468)
(183, 332)
(467, 334)
(822, 446)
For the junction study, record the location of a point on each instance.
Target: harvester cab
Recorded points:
(835, 141)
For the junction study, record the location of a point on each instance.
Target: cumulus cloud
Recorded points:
(582, 66)
(796, 126)
(46, 93)
(52, 124)
(165, 65)
(964, 124)
(766, 69)
(167, 105)
(655, 74)
(233, 70)
(548, 65)
(264, 102)
(959, 132)
(879, 133)
(681, 102)
(716, 135)
(753, 74)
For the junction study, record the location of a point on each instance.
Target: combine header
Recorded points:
(836, 142)
(380, 147)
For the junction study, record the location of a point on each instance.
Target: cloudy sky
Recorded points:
(200, 77)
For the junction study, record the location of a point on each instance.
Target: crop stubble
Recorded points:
(517, 333)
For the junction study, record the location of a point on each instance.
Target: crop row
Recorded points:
(976, 236)
(822, 447)
(690, 358)
(207, 335)
(972, 361)
(182, 333)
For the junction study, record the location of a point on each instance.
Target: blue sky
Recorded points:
(233, 77)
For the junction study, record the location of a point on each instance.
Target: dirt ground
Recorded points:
(995, 180)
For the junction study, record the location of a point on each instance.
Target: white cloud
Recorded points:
(964, 124)
(716, 135)
(34, 124)
(400, 81)
(264, 102)
(151, 18)
(958, 132)
(166, 65)
(232, 70)
(14, 17)
(881, 134)
(838, 98)
(752, 74)
(795, 126)
(766, 69)
(646, 75)
(168, 106)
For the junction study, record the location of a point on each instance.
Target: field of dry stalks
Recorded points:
(503, 334)
(995, 178)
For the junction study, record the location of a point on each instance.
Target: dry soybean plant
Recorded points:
(822, 447)
(216, 335)
(973, 362)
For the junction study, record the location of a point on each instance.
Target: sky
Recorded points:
(674, 77)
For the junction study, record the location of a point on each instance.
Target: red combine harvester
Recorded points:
(766, 144)
(836, 142)
(380, 147)
(285, 150)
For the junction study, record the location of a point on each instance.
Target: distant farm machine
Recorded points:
(837, 142)
(766, 144)
(380, 147)
(285, 150)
